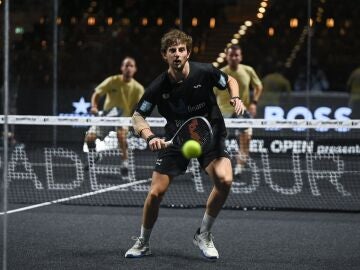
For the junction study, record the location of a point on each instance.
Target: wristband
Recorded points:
(143, 130)
(148, 139)
(235, 97)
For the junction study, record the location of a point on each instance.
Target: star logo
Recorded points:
(81, 106)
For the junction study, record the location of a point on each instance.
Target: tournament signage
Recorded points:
(279, 172)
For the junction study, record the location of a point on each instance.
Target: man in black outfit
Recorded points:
(183, 91)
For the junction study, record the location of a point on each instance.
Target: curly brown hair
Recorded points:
(175, 37)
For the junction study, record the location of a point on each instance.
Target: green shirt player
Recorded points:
(245, 77)
(275, 85)
(122, 92)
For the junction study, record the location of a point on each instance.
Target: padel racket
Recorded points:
(196, 128)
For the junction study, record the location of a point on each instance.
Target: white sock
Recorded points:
(145, 233)
(206, 223)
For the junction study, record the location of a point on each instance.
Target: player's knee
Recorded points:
(156, 195)
(224, 184)
(90, 137)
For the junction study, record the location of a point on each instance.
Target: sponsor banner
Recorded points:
(279, 173)
(302, 146)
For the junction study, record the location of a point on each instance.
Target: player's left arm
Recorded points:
(222, 81)
(258, 89)
(235, 100)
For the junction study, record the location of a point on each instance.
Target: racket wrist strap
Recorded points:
(148, 139)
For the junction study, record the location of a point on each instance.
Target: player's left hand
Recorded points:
(238, 105)
(252, 109)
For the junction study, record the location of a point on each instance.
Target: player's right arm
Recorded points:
(100, 91)
(144, 108)
(142, 128)
(95, 98)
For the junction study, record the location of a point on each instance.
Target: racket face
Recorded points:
(198, 129)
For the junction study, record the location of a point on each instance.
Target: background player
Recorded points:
(122, 92)
(246, 77)
(183, 91)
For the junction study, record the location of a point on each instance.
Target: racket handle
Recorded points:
(168, 143)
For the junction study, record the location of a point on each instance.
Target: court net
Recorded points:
(292, 164)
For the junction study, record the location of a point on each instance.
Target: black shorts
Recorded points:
(170, 161)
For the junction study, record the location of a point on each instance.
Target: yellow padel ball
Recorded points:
(191, 149)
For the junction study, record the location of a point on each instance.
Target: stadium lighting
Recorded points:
(237, 36)
(294, 22)
(144, 21)
(242, 32)
(212, 22)
(271, 31)
(19, 30)
(234, 41)
(248, 23)
(311, 22)
(260, 15)
(220, 60)
(91, 21)
(330, 22)
(243, 27)
(263, 4)
(223, 55)
(125, 21)
(73, 20)
(177, 21)
(262, 10)
(194, 22)
(159, 21)
(215, 64)
(109, 20)
(58, 20)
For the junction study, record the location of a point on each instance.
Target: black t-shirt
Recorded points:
(194, 96)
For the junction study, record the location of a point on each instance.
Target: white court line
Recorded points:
(76, 196)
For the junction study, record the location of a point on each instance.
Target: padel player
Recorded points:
(122, 93)
(183, 91)
(245, 76)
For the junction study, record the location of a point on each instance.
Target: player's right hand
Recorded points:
(156, 144)
(252, 109)
(238, 105)
(94, 110)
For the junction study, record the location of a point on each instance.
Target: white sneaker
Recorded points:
(205, 242)
(238, 169)
(139, 249)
